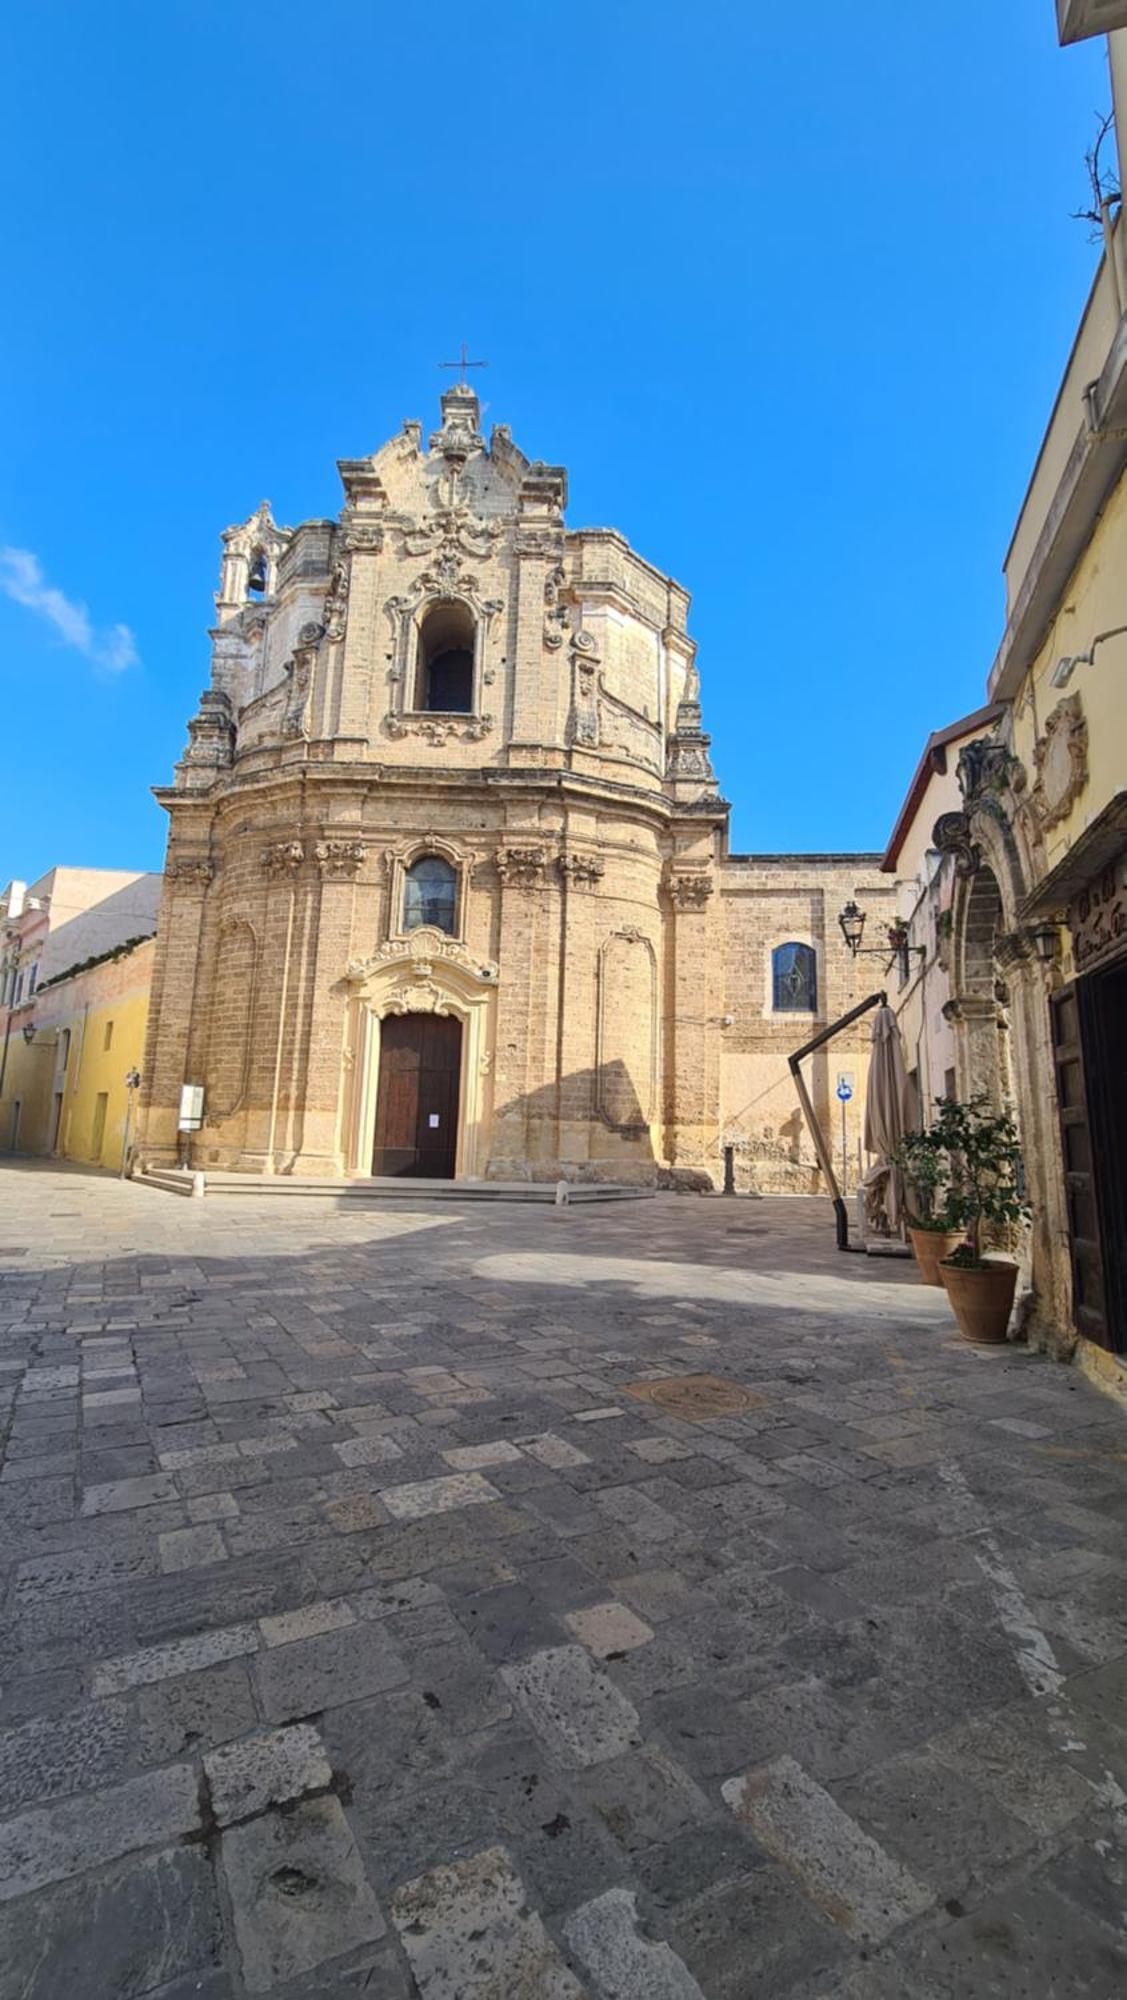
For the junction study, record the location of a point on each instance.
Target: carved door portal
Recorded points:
(417, 1099)
(1089, 1299)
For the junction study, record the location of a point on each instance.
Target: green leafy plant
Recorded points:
(927, 1172)
(985, 1183)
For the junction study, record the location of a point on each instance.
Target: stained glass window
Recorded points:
(794, 979)
(431, 894)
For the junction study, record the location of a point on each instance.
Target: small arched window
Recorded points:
(446, 660)
(259, 576)
(794, 979)
(430, 894)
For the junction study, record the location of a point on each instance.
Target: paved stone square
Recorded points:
(397, 1602)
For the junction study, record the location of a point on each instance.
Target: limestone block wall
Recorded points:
(770, 900)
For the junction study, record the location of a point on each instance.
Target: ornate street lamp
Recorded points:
(852, 921)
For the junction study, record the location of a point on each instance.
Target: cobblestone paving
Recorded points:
(374, 1624)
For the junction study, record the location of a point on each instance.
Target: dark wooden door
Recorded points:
(1089, 1301)
(417, 1100)
(1102, 1007)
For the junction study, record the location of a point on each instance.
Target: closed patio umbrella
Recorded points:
(890, 1111)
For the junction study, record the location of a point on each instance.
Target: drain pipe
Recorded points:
(817, 1136)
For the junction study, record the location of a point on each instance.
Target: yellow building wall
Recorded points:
(80, 1070)
(95, 1072)
(1095, 601)
(26, 1085)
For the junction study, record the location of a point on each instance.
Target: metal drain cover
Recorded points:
(695, 1398)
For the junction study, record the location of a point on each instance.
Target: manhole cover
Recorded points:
(695, 1398)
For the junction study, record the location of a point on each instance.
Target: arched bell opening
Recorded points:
(446, 650)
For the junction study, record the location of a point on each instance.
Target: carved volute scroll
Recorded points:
(951, 834)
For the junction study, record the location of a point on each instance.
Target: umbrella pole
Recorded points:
(817, 1136)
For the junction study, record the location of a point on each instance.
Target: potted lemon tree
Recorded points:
(985, 1190)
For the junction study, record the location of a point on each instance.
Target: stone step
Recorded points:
(295, 1186)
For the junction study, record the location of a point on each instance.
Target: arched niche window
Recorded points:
(258, 577)
(430, 894)
(794, 979)
(446, 660)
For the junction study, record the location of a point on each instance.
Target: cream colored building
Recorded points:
(69, 921)
(1036, 843)
(448, 888)
(920, 985)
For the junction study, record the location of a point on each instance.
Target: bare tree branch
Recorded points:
(1103, 182)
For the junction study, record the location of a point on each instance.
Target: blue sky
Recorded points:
(788, 289)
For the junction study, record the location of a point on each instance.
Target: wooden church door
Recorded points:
(417, 1099)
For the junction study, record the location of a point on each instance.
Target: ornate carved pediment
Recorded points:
(951, 834)
(283, 857)
(421, 950)
(1061, 760)
(420, 996)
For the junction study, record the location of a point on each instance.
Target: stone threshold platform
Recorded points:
(173, 1180)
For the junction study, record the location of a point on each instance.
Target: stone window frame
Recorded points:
(411, 664)
(414, 665)
(773, 1013)
(399, 859)
(405, 616)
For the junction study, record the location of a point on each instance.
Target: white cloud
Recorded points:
(113, 648)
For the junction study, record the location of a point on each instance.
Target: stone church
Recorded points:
(448, 890)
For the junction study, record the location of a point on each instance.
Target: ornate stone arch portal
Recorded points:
(425, 973)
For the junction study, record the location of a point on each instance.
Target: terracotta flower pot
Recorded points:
(981, 1298)
(928, 1246)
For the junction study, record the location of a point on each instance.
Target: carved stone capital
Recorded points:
(194, 873)
(339, 860)
(522, 867)
(1012, 947)
(986, 766)
(692, 889)
(581, 870)
(283, 857)
(969, 1007)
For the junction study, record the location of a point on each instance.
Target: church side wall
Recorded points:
(767, 901)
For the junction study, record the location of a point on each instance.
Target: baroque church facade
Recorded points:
(448, 888)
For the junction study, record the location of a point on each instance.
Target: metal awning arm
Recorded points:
(817, 1136)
